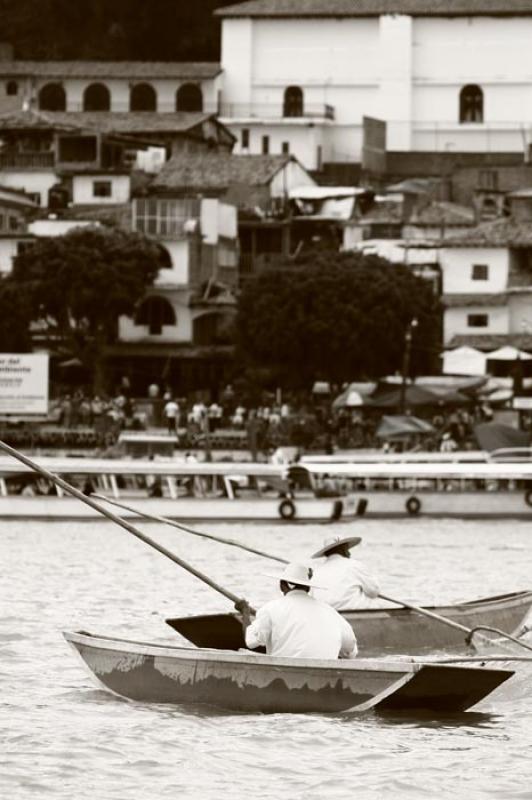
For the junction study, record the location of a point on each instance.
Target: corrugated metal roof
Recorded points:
(374, 8)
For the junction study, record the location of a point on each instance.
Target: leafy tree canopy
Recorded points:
(75, 287)
(341, 317)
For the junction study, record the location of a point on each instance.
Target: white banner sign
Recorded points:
(23, 384)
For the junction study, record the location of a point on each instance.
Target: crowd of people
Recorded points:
(302, 421)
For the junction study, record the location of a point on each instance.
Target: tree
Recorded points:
(337, 318)
(15, 336)
(76, 286)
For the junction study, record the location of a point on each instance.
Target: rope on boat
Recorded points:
(498, 632)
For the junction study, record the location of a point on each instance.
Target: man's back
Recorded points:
(299, 626)
(348, 581)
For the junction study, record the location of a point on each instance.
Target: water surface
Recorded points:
(62, 737)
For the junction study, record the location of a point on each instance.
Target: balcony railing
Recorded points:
(26, 160)
(275, 111)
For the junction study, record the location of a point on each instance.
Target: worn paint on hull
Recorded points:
(245, 682)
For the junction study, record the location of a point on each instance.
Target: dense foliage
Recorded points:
(159, 30)
(341, 317)
(75, 287)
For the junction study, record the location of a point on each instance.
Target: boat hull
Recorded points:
(252, 683)
(396, 503)
(382, 631)
(182, 509)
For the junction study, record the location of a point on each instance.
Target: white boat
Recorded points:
(432, 488)
(167, 488)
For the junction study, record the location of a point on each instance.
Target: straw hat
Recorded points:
(335, 541)
(297, 573)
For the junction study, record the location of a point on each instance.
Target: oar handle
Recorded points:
(117, 520)
(426, 613)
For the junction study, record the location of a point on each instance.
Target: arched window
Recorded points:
(213, 329)
(189, 98)
(11, 88)
(143, 97)
(96, 98)
(52, 97)
(155, 312)
(471, 104)
(293, 102)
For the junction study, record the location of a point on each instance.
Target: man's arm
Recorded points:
(349, 648)
(368, 584)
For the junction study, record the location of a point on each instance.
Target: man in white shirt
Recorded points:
(350, 585)
(297, 625)
(171, 411)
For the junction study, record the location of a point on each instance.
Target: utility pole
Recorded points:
(406, 362)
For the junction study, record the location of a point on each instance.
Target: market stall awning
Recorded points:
(402, 427)
(464, 361)
(508, 353)
(494, 435)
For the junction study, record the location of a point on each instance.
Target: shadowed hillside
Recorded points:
(158, 30)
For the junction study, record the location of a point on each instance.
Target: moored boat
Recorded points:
(388, 489)
(382, 630)
(254, 683)
(220, 491)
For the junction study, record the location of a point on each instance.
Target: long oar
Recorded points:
(193, 531)
(116, 519)
(423, 611)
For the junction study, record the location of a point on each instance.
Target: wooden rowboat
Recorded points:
(249, 682)
(384, 630)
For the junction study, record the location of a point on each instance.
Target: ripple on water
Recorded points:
(57, 728)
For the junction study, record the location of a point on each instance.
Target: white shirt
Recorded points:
(171, 409)
(349, 585)
(298, 626)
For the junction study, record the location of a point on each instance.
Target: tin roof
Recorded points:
(375, 8)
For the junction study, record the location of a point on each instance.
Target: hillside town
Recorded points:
(331, 127)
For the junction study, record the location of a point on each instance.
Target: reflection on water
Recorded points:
(57, 729)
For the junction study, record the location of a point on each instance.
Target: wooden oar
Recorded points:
(116, 519)
(193, 531)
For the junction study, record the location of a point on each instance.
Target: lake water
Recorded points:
(61, 737)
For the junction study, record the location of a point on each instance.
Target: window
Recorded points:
(52, 97)
(265, 145)
(245, 138)
(471, 104)
(155, 312)
(23, 247)
(96, 98)
(12, 88)
(102, 189)
(189, 98)
(285, 148)
(479, 272)
(477, 320)
(78, 149)
(143, 97)
(155, 217)
(293, 102)
(319, 157)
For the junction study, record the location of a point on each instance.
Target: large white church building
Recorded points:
(444, 75)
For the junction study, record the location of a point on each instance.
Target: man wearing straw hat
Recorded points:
(349, 584)
(297, 625)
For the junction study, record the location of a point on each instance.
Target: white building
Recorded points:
(487, 286)
(300, 76)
